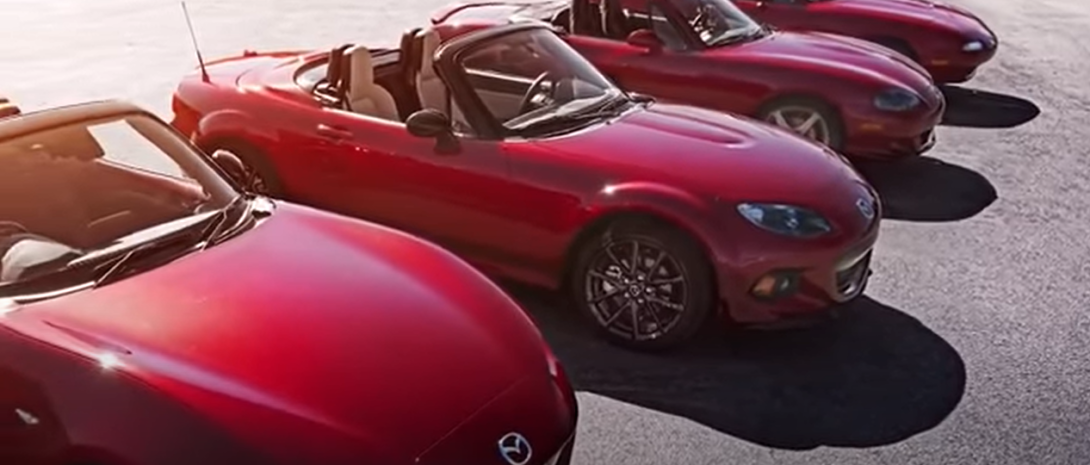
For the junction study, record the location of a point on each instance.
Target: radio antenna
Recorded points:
(197, 48)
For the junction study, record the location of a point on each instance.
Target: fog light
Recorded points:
(776, 285)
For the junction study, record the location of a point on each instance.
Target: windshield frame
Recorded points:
(220, 189)
(677, 19)
(449, 60)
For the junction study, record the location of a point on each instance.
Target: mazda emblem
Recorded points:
(866, 208)
(515, 449)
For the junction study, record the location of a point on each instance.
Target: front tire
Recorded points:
(807, 117)
(644, 286)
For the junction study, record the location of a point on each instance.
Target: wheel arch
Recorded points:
(897, 44)
(655, 204)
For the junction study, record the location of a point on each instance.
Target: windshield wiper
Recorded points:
(209, 233)
(610, 108)
(731, 38)
(220, 220)
(124, 260)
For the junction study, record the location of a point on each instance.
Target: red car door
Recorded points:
(386, 175)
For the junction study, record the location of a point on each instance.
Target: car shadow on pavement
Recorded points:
(928, 190)
(973, 108)
(872, 377)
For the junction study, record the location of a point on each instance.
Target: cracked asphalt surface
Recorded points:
(972, 345)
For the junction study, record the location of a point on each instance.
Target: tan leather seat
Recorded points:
(364, 95)
(429, 87)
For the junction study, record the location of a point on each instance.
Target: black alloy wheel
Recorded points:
(645, 286)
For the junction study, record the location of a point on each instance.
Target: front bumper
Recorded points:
(960, 66)
(826, 276)
(877, 135)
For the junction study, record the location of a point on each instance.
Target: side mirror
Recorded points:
(231, 164)
(434, 124)
(644, 38)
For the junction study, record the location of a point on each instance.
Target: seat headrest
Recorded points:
(429, 43)
(361, 70)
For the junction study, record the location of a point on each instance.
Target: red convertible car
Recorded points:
(150, 314)
(515, 152)
(949, 41)
(859, 98)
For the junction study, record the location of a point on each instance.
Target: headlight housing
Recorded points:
(787, 220)
(973, 46)
(896, 99)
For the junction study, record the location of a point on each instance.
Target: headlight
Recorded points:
(896, 99)
(973, 46)
(788, 220)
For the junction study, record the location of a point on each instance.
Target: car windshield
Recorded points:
(716, 22)
(73, 190)
(531, 76)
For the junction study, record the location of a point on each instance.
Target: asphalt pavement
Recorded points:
(971, 346)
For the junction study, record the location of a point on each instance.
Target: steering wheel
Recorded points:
(704, 21)
(9, 228)
(540, 86)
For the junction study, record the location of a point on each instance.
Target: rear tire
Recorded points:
(658, 304)
(261, 175)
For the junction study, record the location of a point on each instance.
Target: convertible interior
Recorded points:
(392, 84)
(63, 185)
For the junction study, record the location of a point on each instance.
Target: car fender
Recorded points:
(232, 124)
(692, 213)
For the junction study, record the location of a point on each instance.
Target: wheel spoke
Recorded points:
(613, 318)
(616, 290)
(654, 314)
(657, 263)
(671, 280)
(668, 305)
(634, 310)
(613, 258)
(632, 265)
(808, 125)
(604, 277)
(778, 118)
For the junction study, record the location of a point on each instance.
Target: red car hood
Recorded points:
(714, 153)
(917, 11)
(853, 60)
(312, 334)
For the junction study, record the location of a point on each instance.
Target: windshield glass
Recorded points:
(528, 76)
(74, 189)
(716, 22)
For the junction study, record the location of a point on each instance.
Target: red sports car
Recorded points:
(859, 98)
(949, 41)
(515, 152)
(150, 314)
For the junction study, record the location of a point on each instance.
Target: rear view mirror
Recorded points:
(644, 38)
(231, 164)
(435, 124)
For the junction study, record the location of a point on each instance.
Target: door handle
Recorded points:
(334, 132)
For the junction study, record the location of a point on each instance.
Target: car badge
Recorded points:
(866, 208)
(515, 449)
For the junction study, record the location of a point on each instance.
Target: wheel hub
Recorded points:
(637, 293)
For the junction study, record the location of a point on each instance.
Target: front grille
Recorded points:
(850, 280)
